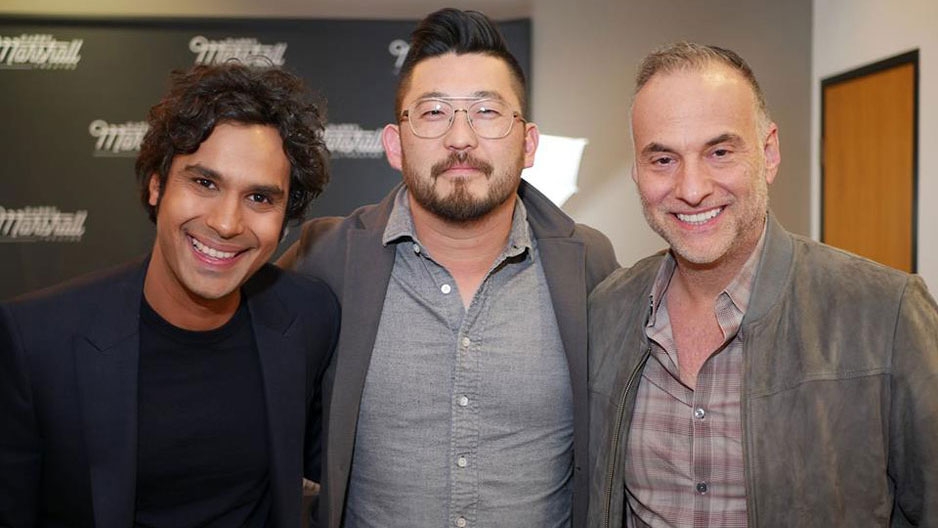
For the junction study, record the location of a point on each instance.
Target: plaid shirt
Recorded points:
(684, 465)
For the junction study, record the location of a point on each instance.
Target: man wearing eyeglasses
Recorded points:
(457, 396)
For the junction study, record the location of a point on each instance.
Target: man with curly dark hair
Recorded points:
(183, 390)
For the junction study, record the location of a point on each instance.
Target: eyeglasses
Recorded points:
(488, 118)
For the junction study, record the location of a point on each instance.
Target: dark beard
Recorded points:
(459, 206)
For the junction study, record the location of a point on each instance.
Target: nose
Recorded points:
(460, 135)
(225, 217)
(693, 183)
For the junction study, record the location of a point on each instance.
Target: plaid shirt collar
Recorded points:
(736, 293)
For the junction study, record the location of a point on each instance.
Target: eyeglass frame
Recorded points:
(405, 114)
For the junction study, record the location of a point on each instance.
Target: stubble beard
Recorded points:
(460, 205)
(746, 229)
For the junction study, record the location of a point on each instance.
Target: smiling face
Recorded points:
(219, 217)
(459, 176)
(703, 164)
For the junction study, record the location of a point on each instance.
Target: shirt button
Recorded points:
(701, 487)
(463, 401)
(417, 248)
(699, 413)
(461, 461)
(460, 522)
(466, 342)
(446, 288)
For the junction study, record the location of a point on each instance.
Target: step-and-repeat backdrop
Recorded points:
(73, 101)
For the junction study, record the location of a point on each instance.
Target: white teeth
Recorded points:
(214, 253)
(699, 218)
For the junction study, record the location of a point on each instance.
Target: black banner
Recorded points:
(75, 95)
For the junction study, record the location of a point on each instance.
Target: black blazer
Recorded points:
(68, 394)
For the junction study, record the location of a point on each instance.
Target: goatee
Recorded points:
(459, 206)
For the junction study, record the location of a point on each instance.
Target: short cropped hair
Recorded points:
(455, 31)
(683, 56)
(205, 96)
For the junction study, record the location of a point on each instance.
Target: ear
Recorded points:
(772, 153)
(391, 139)
(531, 138)
(154, 189)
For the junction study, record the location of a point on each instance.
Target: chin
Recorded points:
(702, 255)
(213, 292)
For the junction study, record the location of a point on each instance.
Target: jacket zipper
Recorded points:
(744, 423)
(607, 503)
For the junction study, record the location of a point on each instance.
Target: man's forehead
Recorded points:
(712, 76)
(462, 75)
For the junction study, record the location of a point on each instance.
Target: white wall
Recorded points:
(849, 34)
(585, 54)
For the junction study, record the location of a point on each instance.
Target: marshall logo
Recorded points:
(246, 50)
(120, 141)
(41, 224)
(398, 49)
(39, 52)
(348, 140)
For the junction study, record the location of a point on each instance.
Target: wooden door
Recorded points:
(869, 161)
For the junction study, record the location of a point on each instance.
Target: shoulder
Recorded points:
(548, 221)
(80, 294)
(823, 287)
(303, 307)
(829, 269)
(599, 253)
(46, 321)
(630, 283)
(596, 242)
(297, 291)
(322, 238)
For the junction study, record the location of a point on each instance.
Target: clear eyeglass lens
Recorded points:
(489, 118)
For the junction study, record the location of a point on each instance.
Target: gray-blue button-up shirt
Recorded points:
(466, 418)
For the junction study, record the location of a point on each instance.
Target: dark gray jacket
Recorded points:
(840, 389)
(347, 253)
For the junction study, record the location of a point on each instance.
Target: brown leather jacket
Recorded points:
(840, 389)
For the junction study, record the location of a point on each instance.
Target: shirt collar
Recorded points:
(738, 291)
(401, 226)
(400, 222)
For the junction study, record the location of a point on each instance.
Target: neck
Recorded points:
(466, 249)
(704, 282)
(185, 310)
(480, 240)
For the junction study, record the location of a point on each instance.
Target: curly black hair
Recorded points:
(205, 96)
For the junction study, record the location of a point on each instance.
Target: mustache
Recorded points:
(460, 158)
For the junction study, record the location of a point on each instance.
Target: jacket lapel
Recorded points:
(283, 371)
(106, 362)
(367, 257)
(563, 258)
(563, 263)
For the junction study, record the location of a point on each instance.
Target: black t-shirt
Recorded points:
(202, 454)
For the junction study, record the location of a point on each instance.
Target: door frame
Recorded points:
(909, 57)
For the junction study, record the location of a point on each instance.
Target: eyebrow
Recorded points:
(656, 147)
(727, 137)
(479, 94)
(204, 171)
(274, 191)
